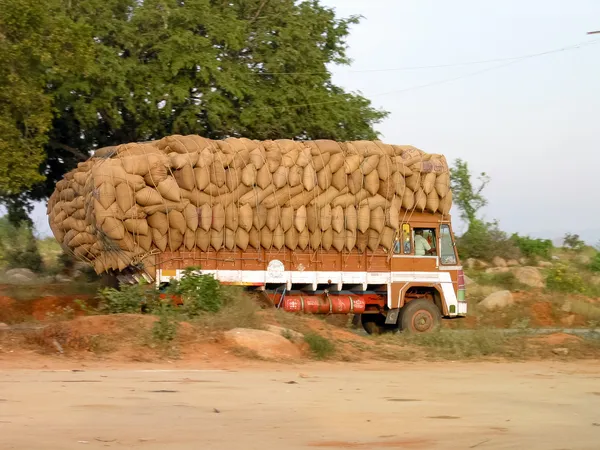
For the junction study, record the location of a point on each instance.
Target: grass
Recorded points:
(319, 346)
(505, 280)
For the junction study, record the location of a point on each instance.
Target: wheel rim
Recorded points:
(422, 321)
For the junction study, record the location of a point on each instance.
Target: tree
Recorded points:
(93, 73)
(573, 241)
(18, 246)
(467, 197)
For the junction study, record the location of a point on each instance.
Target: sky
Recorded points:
(532, 125)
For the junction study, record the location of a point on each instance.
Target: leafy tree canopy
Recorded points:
(78, 75)
(466, 195)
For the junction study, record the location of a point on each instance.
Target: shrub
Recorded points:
(18, 246)
(200, 293)
(165, 328)
(320, 347)
(563, 279)
(573, 242)
(506, 280)
(127, 299)
(595, 264)
(531, 247)
(451, 344)
(484, 240)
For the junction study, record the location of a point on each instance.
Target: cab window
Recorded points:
(425, 244)
(447, 254)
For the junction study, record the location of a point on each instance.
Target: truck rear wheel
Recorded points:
(373, 323)
(420, 316)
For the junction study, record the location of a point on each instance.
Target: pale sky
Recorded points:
(533, 126)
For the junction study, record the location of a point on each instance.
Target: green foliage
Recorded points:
(129, 298)
(562, 278)
(595, 264)
(165, 328)
(320, 347)
(531, 247)
(484, 240)
(573, 242)
(200, 293)
(506, 280)
(18, 247)
(87, 74)
(451, 344)
(468, 198)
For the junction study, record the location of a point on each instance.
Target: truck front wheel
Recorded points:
(420, 316)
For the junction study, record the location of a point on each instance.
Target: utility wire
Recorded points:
(438, 66)
(447, 80)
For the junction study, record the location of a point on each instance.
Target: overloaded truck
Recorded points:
(319, 227)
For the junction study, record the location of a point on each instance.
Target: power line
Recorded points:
(438, 66)
(447, 80)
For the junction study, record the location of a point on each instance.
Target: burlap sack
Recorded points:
(385, 168)
(325, 217)
(387, 239)
(205, 159)
(327, 239)
(344, 200)
(214, 190)
(229, 239)
(190, 213)
(433, 201)
(309, 178)
(291, 239)
(145, 241)
(256, 196)
(413, 182)
(352, 163)
(174, 239)
(428, 182)
(304, 198)
(177, 221)
(442, 184)
(242, 239)
(304, 157)
(159, 239)
(216, 239)
(324, 177)
(245, 217)
(420, 200)
(257, 158)
(155, 175)
(350, 240)
(325, 198)
(339, 179)
(373, 240)
(254, 238)
(336, 162)
(289, 158)
(217, 173)
(202, 177)
(287, 218)
(189, 239)
(263, 177)
(281, 196)
(351, 218)
(135, 226)
(169, 189)
(249, 175)
(315, 239)
(280, 177)
(240, 159)
(259, 216)
(233, 178)
(266, 238)
(205, 217)
(377, 219)
(202, 239)
(303, 239)
(273, 217)
(300, 219)
(408, 199)
(106, 195)
(337, 219)
(141, 164)
(371, 182)
(232, 218)
(178, 160)
(339, 240)
(273, 159)
(295, 176)
(320, 160)
(218, 218)
(369, 164)
(355, 182)
(377, 201)
(159, 221)
(364, 218)
(445, 204)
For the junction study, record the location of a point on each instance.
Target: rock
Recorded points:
(473, 263)
(19, 275)
(583, 260)
(286, 333)
(568, 321)
(469, 281)
(595, 280)
(523, 261)
(561, 351)
(544, 264)
(566, 307)
(497, 270)
(499, 262)
(555, 258)
(264, 343)
(530, 276)
(497, 300)
(512, 263)
(3, 326)
(60, 278)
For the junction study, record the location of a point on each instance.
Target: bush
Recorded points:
(573, 242)
(320, 347)
(18, 247)
(127, 299)
(200, 293)
(531, 247)
(595, 264)
(506, 280)
(561, 278)
(484, 240)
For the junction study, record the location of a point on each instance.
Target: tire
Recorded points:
(373, 323)
(420, 316)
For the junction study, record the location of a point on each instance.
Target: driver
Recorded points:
(422, 247)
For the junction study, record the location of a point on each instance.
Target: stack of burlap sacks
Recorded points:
(188, 193)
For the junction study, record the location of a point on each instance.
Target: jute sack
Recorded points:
(320, 160)
(355, 181)
(324, 177)
(159, 239)
(370, 164)
(257, 158)
(185, 178)
(428, 182)
(304, 198)
(178, 160)
(385, 168)
(231, 218)
(325, 218)
(339, 179)
(309, 178)
(337, 219)
(249, 175)
(339, 240)
(387, 238)
(217, 173)
(420, 200)
(399, 183)
(304, 239)
(175, 239)
(377, 201)
(442, 184)
(352, 163)
(408, 199)
(145, 241)
(266, 238)
(135, 226)
(373, 240)
(263, 177)
(205, 158)
(169, 189)
(156, 174)
(159, 221)
(336, 162)
(280, 176)
(445, 203)
(315, 239)
(242, 239)
(328, 146)
(289, 159)
(350, 240)
(259, 217)
(413, 182)
(106, 195)
(189, 239)
(273, 159)
(287, 218)
(364, 218)
(205, 217)
(300, 219)
(81, 239)
(372, 183)
(325, 198)
(344, 200)
(202, 176)
(113, 228)
(177, 222)
(327, 239)
(433, 201)
(387, 188)
(245, 217)
(273, 218)
(377, 221)
(190, 213)
(216, 239)
(240, 159)
(291, 239)
(202, 239)
(278, 238)
(141, 164)
(218, 218)
(229, 239)
(214, 190)
(351, 217)
(254, 238)
(295, 176)
(282, 196)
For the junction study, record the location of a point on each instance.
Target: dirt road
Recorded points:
(332, 406)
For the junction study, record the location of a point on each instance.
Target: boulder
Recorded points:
(286, 333)
(530, 276)
(499, 262)
(512, 263)
(264, 343)
(555, 258)
(497, 270)
(544, 264)
(523, 261)
(560, 351)
(469, 281)
(20, 275)
(3, 326)
(60, 278)
(567, 306)
(568, 321)
(583, 260)
(497, 300)
(473, 263)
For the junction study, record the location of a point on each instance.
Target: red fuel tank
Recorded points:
(324, 304)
